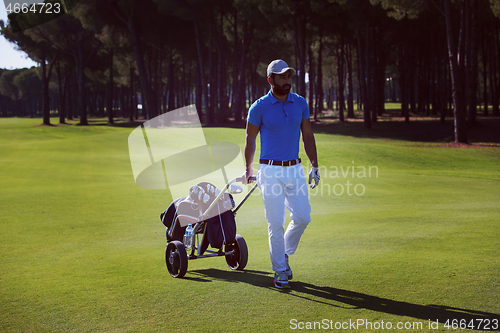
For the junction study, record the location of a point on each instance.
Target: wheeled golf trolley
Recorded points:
(209, 213)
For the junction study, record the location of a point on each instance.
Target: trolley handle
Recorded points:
(214, 202)
(241, 179)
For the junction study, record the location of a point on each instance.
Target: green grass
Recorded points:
(82, 247)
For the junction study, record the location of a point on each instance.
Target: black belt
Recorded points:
(281, 163)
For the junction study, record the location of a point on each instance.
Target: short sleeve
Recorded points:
(305, 110)
(254, 116)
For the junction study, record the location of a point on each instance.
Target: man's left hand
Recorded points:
(314, 174)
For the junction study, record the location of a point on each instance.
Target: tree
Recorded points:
(29, 86)
(9, 89)
(134, 16)
(456, 50)
(24, 30)
(457, 66)
(214, 53)
(495, 7)
(79, 43)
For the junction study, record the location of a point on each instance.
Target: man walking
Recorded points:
(280, 117)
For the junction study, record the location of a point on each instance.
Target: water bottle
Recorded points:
(188, 237)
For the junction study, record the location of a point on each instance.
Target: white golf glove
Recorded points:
(314, 173)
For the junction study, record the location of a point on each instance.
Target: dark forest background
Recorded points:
(137, 59)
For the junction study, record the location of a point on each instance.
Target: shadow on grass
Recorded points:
(423, 130)
(124, 124)
(354, 300)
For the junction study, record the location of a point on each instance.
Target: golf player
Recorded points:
(280, 117)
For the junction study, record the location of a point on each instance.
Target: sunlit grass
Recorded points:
(82, 247)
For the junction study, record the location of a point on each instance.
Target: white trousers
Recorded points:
(284, 187)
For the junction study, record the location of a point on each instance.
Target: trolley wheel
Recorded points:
(239, 258)
(176, 259)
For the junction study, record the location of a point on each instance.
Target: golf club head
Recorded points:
(235, 189)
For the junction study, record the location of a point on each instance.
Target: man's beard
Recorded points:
(282, 90)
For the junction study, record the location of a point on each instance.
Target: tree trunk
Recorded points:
(319, 82)
(311, 79)
(146, 92)
(222, 111)
(223, 96)
(494, 80)
(370, 69)
(245, 45)
(61, 89)
(132, 94)
(171, 85)
(201, 70)
(158, 80)
(442, 91)
(379, 76)
(484, 53)
(198, 96)
(45, 90)
(329, 99)
(69, 92)
(211, 87)
(362, 78)
(472, 63)
(300, 47)
(339, 50)
(109, 100)
(403, 80)
(80, 82)
(350, 80)
(457, 78)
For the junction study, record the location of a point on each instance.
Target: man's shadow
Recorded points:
(353, 300)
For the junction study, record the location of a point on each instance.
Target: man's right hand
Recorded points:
(246, 177)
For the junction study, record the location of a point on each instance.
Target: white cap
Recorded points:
(278, 67)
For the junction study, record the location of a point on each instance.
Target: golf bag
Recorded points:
(220, 229)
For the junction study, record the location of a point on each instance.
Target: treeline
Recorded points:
(105, 57)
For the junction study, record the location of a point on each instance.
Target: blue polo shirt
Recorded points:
(279, 125)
